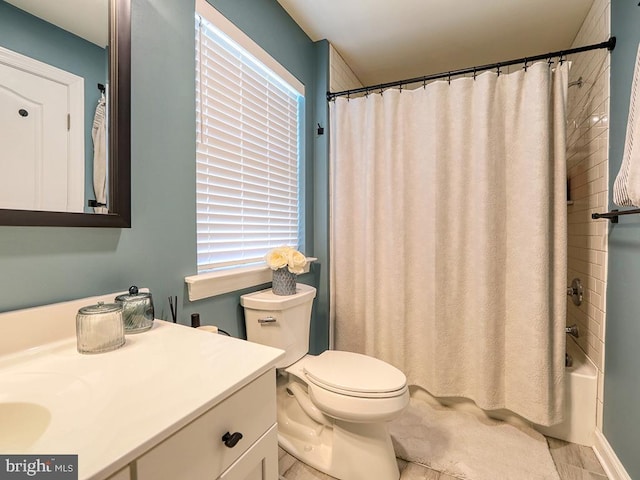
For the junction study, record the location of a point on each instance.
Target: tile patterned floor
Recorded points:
(574, 462)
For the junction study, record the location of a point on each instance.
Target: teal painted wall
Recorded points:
(43, 41)
(320, 326)
(621, 423)
(45, 265)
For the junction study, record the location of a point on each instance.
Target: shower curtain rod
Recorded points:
(609, 45)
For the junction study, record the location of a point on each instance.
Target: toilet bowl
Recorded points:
(355, 388)
(333, 407)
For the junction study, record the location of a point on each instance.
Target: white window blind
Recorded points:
(247, 154)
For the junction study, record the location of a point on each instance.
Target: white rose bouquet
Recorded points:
(286, 257)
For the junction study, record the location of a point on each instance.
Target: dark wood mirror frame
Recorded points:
(119, 187)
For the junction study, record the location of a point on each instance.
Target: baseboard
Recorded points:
(608, 458)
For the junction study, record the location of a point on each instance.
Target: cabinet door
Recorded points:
(123, 474)
(260, 462)
(197, 452)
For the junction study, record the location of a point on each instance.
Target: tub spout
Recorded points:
(568, 361)
(572, 330)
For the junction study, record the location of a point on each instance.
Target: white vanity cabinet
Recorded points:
(155, 409)
(198, 451)
(124, 474)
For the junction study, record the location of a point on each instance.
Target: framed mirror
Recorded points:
(109, 154)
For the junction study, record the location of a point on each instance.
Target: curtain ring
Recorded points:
(561, 60)
(400, 88)
(474, 73)
(424, 83)
(366, 93)
(449, 78)
(348, 96)
(526, 61)
(498, 69)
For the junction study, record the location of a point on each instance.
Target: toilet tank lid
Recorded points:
(353, 372)
(267, 300)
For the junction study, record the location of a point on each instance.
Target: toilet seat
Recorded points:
(343, 386)
(355, 375)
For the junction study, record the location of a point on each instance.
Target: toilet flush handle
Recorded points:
(267, 320)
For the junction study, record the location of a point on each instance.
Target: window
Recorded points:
(248, 148)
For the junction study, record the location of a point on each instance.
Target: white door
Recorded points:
(37, 164)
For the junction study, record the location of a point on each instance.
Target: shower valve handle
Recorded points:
(575, 291)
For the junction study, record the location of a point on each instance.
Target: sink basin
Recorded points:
(21, 425)
(33, 403)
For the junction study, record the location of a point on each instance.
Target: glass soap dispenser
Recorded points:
(99, 328)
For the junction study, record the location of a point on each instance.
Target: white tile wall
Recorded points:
(341, 77)
(587, 169)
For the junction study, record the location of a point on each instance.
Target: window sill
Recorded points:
(205, 285)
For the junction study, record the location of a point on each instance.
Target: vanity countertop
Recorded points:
(110, 408)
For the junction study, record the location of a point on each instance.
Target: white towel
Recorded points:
(99, 136)
(626, 189)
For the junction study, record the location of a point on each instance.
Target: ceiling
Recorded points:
(387, 40)
(88, 19)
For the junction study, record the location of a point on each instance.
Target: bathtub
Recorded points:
(581, 390)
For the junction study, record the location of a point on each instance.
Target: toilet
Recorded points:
(333, 408)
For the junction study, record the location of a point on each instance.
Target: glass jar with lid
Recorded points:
(137, 310)
(99, 328)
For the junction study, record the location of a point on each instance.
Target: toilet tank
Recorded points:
(280, 321)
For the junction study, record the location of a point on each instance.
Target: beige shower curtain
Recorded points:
(448, 253)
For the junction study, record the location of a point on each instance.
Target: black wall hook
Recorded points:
(320, 130)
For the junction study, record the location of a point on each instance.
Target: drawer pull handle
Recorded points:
(231, 439)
